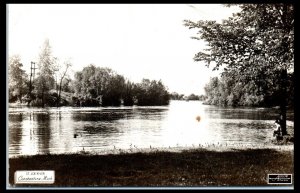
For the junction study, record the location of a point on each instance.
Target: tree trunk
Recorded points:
(29, 100)
(59, 93)
(283, 91)
(60, 83)
(20, 95)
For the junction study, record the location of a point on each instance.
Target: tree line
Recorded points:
(93, 86)
(177, 96)
(228, 91)
(103, 86)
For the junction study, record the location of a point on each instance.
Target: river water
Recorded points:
(69, 129)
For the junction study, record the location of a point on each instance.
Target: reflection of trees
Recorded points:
(43, 132)
(241, 113)
(247, 132)
(150, 114)
(15, 118)
(101, 122)
(15, 121)
(99, 115)
(102, 128)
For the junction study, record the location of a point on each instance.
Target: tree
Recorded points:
(193, 97)
(150, 93)
(45, 80)
(61, 72)
(176, 96)
(17, 78)
(99, 86)
(86, 85)
(67, 85)
(128, 95)
(212, 91)
(114, 91)
(257, 40)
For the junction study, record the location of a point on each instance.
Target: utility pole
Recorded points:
(31, 77)
(33, 70)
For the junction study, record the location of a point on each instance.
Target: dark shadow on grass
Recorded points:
(198, 167)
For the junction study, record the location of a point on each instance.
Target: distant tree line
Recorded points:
(176, 96)
(93, 86)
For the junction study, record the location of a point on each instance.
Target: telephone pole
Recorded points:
(31, 77)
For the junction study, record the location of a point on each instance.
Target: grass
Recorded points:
(197, 167)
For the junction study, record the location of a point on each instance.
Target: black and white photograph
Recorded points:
(150, 96)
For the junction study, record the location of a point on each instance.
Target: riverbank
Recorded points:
(196, 167)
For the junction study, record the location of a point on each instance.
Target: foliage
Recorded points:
(113, 93)
(67, 85)
(99, 86)
(193, 97)
(61, 73)
(176, 96)
(128, 95)
(151, 93)
(227, 91)
(93, 86)
(255, 43)
(17, 79)
(110, 89)
(45, 80)
(259, 38)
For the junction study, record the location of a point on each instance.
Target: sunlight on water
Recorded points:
(181, 124)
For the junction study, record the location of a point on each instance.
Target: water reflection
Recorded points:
(99, 116)
(34, 133)
(104, 129)
(15, 133)
(43, 129)
(62, 133)
(52, 130)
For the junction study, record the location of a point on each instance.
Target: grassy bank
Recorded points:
(188, 168)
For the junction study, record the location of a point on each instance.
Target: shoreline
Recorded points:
(194, 167)
(178, 149)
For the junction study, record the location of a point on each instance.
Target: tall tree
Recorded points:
(259, 38)
(99, 84)
(45, 80)
(114, 92)
(61, 73)
(128, 95)
(17, 78)
(151, 93)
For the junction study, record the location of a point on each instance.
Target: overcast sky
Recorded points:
(137, 41)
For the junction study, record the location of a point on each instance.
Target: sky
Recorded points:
(135, 40)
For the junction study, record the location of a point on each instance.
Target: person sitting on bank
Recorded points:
(277, 129)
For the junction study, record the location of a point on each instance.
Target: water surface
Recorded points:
(51, 130)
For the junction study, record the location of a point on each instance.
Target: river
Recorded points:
(71, 130)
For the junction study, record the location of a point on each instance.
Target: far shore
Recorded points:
(195, 167)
